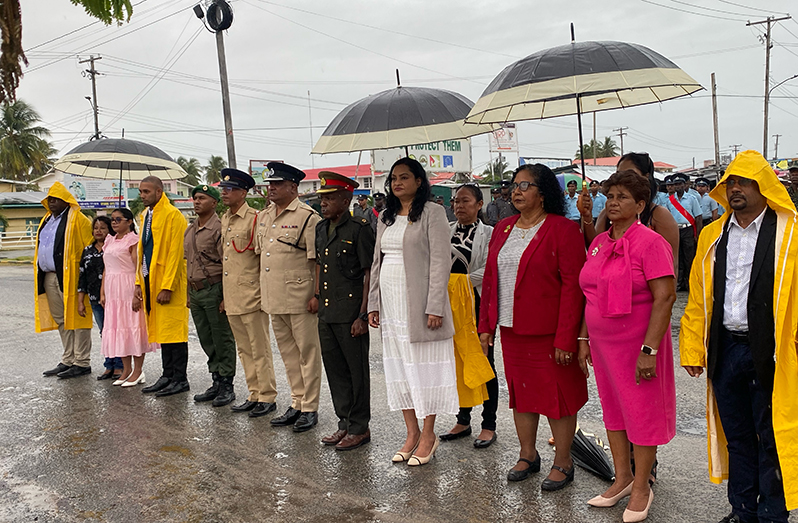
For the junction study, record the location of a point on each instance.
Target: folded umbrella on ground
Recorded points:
(588, 452)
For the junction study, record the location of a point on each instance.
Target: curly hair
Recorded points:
(548, 187)
(392, 203)
(636, 184)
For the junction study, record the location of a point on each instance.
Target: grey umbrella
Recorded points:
(119, 159)
(399, 117)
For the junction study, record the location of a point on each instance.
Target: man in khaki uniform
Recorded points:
(286, 244)
(242, 294)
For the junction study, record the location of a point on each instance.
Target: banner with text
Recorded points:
(94, 193)
(451, 156)
(504, 139)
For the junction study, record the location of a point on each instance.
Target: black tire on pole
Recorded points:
(220, 15)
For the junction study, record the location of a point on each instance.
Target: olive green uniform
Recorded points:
(344, 256)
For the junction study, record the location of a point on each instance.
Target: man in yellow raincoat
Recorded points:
(161, 283)
(63, 234)
(740, 324)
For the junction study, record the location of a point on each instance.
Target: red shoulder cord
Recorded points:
(249, 246)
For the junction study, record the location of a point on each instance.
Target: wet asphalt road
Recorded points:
(82, 450)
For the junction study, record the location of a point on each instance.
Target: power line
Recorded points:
(362, 48)
(709, 8)
(751, 8)
(693, 12)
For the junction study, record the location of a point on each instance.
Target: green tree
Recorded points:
(13, 57)
(193, 168)
(136, 206)
(606, 149)
(24, 148)
(213, 171)
(496, 171)
(3, 220)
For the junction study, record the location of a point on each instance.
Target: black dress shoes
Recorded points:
(451, 436)
(106, 375)
(289, 418)
(484, 443)
(158, 385)
(243, 407)
(306, 421)
(262, 408)
(212, 391)
(551, 485)
(58, 369)
(176, 387)
(73, 372)
(520, 475)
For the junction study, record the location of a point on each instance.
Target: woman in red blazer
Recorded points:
(531, 291)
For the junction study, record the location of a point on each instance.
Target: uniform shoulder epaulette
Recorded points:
(364, 221)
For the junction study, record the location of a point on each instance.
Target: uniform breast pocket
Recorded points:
(298, 285)
(348, 261)
(286, 242)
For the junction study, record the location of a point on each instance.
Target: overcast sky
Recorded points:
(161, 75)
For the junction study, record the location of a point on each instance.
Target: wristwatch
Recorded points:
(364, 316)
(645, 349)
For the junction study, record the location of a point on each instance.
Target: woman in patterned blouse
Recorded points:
(90, 281)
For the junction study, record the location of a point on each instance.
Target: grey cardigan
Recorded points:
(426, 249)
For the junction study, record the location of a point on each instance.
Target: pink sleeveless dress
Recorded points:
(125, 331)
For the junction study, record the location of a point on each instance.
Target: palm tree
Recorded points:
(606, 149)
(23, 145)
(193, 168)
(13, 56)
(496, 171)
(213, 171)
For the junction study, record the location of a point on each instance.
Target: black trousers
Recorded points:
(174, 356)
(687, 246)
(755, 487)
(346, 362)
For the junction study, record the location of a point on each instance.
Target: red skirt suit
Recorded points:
(547, 314)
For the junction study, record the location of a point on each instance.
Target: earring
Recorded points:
(638, 217)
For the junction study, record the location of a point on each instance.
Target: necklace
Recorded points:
(524, 231)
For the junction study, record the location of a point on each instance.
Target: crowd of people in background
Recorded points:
(561, 281)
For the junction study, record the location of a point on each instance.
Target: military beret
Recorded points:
(210, 190)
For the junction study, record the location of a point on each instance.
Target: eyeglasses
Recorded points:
(118, 220)
(524, 186)
(742, 182)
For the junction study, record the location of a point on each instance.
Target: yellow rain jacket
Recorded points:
(166, 323)
(693, 341)
(77, 236)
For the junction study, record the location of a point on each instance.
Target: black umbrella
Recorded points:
(588, 452)
(578, 78)
(399, 117)
(119, 159)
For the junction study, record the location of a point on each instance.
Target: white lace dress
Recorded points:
(419, 376)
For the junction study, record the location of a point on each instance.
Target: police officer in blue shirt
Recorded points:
(709, 207)
(571, 212)
(686, 210)
(599, 200)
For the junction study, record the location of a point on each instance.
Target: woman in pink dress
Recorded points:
(125, 331)
(629, 286)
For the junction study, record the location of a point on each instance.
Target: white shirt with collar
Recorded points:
(739, 263)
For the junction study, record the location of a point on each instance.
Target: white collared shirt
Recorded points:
(739, 263)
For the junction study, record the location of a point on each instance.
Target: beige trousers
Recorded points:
(297, 338)
(251, 332)
(77, 343)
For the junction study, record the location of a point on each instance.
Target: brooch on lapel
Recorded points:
(507, 229)
(596, 250)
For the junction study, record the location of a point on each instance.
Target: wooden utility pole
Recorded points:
(776, 152)
(228, 115)
(92, 73)
(769, 22)
(735, 148)
(715, 119)
(310, 123)
(621, 134)
(594, 138)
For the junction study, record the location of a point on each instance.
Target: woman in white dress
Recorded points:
(408, 299)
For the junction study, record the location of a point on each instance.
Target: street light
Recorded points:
(219, 16)
(767, 107)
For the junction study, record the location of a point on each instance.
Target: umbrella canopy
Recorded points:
(399, 117)
(600, 75)
(588, 452)
(119, 159)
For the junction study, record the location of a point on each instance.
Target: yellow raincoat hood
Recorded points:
(693, 339)
(77, 236)
(751, 164)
